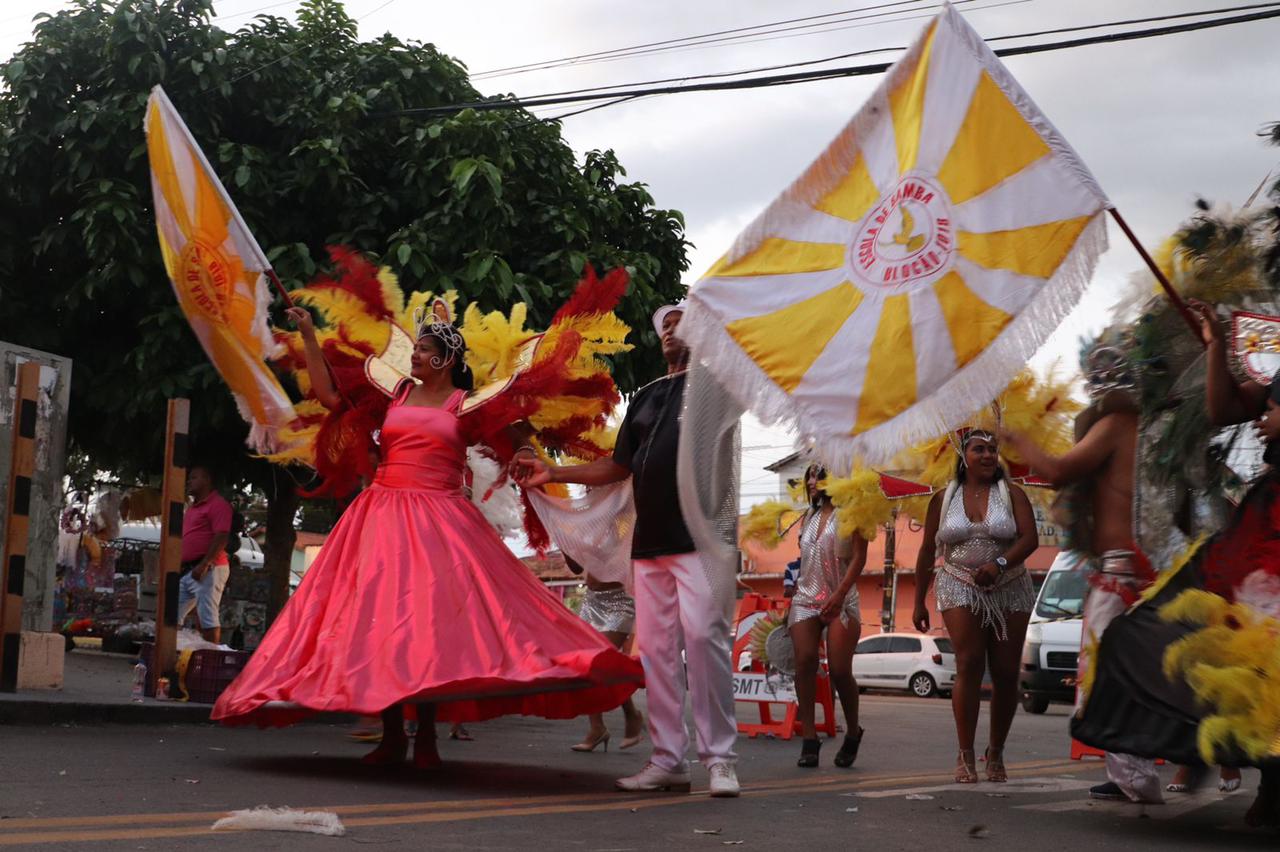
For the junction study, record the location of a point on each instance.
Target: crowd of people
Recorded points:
(412, 567)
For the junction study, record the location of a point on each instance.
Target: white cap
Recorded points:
(661, 313)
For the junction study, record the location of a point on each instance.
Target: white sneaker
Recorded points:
(724, 780)
(654, 777)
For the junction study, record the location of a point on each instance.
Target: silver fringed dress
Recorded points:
(823, 560)
(968, 545)
(609, 610)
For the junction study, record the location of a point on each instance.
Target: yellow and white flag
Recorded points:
(217, 270)
(904, 279)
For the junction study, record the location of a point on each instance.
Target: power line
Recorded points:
(582, 57)
(931, 12)
(928, 13)
(827, 74)
(809, 62)
(231, 15)
(287, 54)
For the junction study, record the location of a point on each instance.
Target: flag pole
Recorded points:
(289, 303)
(284, 294)
(1177, 300)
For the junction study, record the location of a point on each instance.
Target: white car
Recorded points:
(924, 665)
(250, 552)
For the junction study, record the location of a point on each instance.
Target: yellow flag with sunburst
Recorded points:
(217, 270)
(901, 282)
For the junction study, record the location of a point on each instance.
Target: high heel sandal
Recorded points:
(809, 753)
(633, 741)
(966, 768)
(848, 752)
(590, 744)
(996, 772)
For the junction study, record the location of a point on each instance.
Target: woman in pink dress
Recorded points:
(415, 598)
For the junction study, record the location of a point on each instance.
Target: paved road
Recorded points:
(519, 787)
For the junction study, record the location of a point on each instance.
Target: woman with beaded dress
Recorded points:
(609, 608)
(826, 599)
(986, 529)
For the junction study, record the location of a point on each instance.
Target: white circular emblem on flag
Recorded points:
(907, 240)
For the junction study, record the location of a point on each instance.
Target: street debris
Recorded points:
(919, 797)
(193, 780)
(951, 807)
(267, 818)
(707, 830)
(851, 810)
(978, 832)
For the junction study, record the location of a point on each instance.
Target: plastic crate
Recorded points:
(209, 672)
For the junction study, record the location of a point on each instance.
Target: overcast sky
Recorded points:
(1159, 121)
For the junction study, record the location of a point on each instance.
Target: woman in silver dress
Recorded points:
(826, 598)
(609, 609)
(986, 529)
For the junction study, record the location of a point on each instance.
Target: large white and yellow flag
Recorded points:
(904, 279)
(217, 270)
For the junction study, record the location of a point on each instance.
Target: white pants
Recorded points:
(1135, 776)
(675, 610)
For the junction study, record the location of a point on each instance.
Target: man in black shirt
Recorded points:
(675, 608)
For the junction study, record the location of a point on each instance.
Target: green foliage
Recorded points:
(295, 119)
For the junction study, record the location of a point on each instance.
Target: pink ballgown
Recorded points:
(415, 598)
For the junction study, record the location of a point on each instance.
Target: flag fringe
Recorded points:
(972, 387)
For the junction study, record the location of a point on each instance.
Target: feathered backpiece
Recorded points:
(1044, 409)
(1222, 257)
(768, 522)
(364, 311)
(558, 380)
(1232, 662)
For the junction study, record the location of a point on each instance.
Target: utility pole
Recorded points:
(889, 606)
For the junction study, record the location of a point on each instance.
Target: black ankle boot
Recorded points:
(848, 752)
(809, 753)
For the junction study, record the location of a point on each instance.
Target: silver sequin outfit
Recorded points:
(821, 570)
(967, 546)
(609, 610)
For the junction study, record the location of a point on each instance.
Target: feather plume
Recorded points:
(265, 818)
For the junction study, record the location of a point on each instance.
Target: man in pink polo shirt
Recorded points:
(206, 525)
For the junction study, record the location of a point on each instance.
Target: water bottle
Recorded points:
(139, 680)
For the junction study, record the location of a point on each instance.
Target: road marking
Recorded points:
(1021, 785)
(418, 813)
(1172, 807)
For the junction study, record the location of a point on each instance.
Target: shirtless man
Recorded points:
(1102, 465)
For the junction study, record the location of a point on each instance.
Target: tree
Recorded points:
(299, 121)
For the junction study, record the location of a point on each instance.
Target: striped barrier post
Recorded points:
(13, 569)
(177, 449)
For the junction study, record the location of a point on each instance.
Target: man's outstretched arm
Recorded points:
(1081, 461)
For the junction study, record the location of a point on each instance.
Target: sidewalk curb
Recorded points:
(35, 713)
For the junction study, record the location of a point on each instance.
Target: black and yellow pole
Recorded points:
(13, 570)
(889, 606)
(176, 452)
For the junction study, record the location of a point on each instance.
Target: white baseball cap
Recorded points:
(661, 313)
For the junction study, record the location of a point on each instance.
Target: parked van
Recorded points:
(1049, 657)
